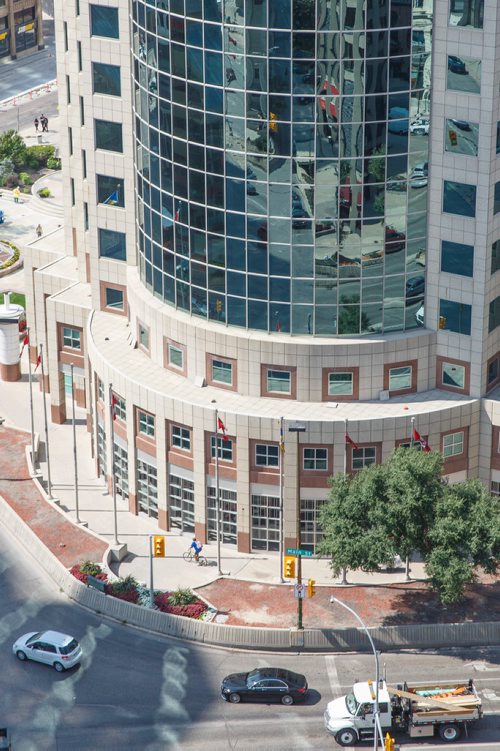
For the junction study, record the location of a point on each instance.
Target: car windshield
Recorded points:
(253, 677)
(68, 648)
(351, 703)
(34, 638)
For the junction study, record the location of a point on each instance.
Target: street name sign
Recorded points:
(298, 551)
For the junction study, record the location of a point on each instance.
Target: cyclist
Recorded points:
(197, 547)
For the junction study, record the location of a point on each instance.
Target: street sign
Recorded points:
(299, 591)
(298, 551)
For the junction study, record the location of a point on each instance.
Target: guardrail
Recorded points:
(44, 88)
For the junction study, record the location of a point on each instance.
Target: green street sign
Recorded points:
(298, 551)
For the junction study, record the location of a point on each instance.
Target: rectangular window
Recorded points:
(316, 459)
(492, 374)
(114, 298)
(400, 378)
(143, 337)
(457, 258)
(65, 29)
(265, 522)
(70, 141)
(84, 164)
(119, 408)
(112, 244)
(463, 74)
(222, 372)
(108, 136)
(266, 455)
(498, 138)
(461, 137)
(146, 424)
(495, 488)
(363, 457)
(453, 375)
(80, 59)
(467, 13)
(494, 314)
(175, 356)
(100, 390)
(340, 384)
(310, 531)
(181, 438)
(279, 381)
(495, 256)
(77, 7)
(459, 198)
(496, 199)
(72, 338)
(104, 21)
(72, 186)
(457, 316)
(110, 191)
(225, 449)
(85, 216)
(106, 79)
(453, 444)
(82, 112)
(68, 90)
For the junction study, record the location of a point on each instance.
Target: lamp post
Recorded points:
(378, 729)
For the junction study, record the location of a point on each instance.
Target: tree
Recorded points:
(405, 505)
(12, 147)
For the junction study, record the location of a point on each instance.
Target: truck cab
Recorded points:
(352, 717)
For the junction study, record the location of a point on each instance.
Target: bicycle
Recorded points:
(189, 556)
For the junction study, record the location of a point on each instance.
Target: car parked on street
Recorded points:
(53, 648)
(420, 175)
(415, 288)
(265, 684)
(420, 127)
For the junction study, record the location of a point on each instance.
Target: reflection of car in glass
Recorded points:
(397, 183)
(394, 240)
(456, 65)
(325, 228)
(415, 287)
(398, 120)
(251, 174)
(251, 189)
(420, 127)
(296, 199)
(419, 175)
(262, 231)
(461, 124)
(419, 316)
(265, 684)
(300, 217)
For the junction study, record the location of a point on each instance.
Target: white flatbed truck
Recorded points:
(419, 710)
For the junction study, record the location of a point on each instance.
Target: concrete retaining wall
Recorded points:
(324, 640)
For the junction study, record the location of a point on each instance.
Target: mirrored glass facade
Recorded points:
(280, 183)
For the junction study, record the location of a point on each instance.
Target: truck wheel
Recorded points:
(346, 737)
(449, 732)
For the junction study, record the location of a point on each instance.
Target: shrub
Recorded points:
(11, 181)
(44, 193)
(87, 567)
(53, 163)
(130, 595)
(124, 585)
(12, 147)
(182, 597)
(6, 168)
(25, 178)
(193, 610)
(38, 156)
(82, 571)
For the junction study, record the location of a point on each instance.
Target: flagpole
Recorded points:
(49, 483)
(281, 467)
(344, 570)
(217, 494)
(30, 379)
(113, 481)
(412, 432)
(77, 508)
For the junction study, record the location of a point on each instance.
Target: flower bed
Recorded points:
(181, 602)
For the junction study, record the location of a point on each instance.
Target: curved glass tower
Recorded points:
(282, 160)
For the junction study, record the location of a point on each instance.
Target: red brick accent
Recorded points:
(277, 395)
(226, 469)
(265, 475)
(439, 375)
(456, 463)
(495, 453)
(163, 519)
(209, 358)
(200, 531)
(243, 542)
(166, 364)
(58, 413)
(374, 444)
(102, 294)
(10, 373)
(133, 506)
(326, 397)
(312, 478)
(414, 376)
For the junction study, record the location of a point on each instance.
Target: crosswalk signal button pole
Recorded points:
(159, 546)
(289, 566)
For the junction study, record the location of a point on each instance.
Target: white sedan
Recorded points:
(420, 127)
(60, 651)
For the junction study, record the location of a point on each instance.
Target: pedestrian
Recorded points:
(39, 231)
(35, 122)
(17, 194)
(45, 125)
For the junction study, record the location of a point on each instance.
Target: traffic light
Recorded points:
(311, 587)
(388, 743)
(289, 572)
(159, 546)
(218, 306)
(273, 125)
(442, 322)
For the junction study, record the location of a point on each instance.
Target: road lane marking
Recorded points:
(333, 676)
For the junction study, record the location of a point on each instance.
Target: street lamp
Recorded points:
(378, 729)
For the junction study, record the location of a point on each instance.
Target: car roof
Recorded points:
(56, 637)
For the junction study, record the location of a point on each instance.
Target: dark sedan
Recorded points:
(264, 684)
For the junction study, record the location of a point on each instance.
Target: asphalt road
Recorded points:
(20, 118)
(138, 691)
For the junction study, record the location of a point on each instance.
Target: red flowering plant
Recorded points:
(82, 571)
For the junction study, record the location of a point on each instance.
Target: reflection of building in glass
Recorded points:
(290, 213)
(21, 28)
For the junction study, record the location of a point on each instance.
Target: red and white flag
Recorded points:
(26, 341)
(222, 428)
(349, 441)
(423, 443)
(38, 361)
(114, 402)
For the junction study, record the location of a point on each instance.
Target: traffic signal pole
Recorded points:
(299, 601)
(151, 589)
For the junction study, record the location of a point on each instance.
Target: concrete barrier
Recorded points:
(246, 637)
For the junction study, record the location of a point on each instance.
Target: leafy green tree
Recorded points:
(12, 147)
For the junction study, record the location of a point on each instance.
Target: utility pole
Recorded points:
(49, 483)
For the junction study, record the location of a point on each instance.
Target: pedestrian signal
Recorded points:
(289, 566)
(159, 546)
(442, 322)
(218, 306)
(311, 587)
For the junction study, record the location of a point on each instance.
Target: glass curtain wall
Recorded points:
(281, 157)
